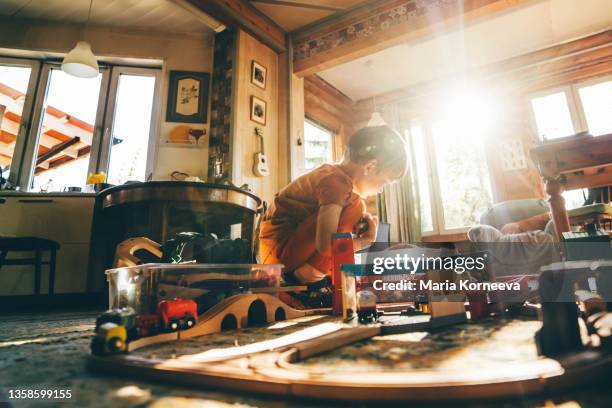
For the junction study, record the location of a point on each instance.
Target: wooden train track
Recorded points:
(272, 367)
(234, 309)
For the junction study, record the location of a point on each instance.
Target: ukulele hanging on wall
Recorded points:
(260, 167)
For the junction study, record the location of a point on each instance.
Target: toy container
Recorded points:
(350, 275)
(142, 287)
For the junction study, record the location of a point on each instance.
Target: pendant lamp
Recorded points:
(80, 61)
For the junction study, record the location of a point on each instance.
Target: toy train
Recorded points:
(366, 306)
(117, 327)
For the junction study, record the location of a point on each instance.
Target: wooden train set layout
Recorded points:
(276, 366)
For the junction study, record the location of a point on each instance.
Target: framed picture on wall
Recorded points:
(187, 97)
(258, 110)
(258, 74)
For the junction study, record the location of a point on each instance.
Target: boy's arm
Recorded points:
(327, 224)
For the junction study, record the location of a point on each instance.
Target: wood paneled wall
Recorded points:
(245, 143)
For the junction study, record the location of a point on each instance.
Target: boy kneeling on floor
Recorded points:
(296, 231)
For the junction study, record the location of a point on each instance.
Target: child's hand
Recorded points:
(370, 234)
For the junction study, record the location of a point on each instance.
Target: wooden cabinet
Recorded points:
(62, 218)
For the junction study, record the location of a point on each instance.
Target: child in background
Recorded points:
(296, 231)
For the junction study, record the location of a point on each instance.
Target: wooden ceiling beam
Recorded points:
(242, 14)
(570, 60)
(378, 25)
(215, 25)
(299, 4)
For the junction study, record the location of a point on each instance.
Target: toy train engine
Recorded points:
(125, 317)
(177, 314)
(366, 306)
(110, 338)
(147, 325)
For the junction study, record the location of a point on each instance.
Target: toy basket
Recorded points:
(143, 286)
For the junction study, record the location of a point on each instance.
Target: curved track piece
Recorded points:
(269, 367)
(212, 320)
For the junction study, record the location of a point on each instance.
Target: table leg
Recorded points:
(52, 260)
(37, 271)
(557, 207)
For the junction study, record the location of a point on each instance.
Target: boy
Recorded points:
(297, 228)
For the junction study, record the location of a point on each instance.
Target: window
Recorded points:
(580, 107)
(130, 126)
(75, 126)
(454, 185)
(552, 115)
(318, 146)
(70, 106)
(16, 99)
(596, 102)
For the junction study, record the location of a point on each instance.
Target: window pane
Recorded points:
(597, 104)
(552, 116)
(130, 135)
(575, 198)
(317, 146)
(13, 87)
(67, 128)
(463, 175)
(420, 153)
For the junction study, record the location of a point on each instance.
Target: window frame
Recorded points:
(571, 105)
(581, 84)
(16, 170)
(301, 152)
(28, 161)
(105, 133)
(23, 162)
(436, 205)
(574, 102)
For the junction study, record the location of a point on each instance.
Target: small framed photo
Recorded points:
(258, 74)
(258, 110)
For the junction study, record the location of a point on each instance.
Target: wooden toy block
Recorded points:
(342, 253)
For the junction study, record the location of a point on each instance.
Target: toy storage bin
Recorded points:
(143, 286)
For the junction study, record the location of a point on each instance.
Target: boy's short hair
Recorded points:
(381, 143)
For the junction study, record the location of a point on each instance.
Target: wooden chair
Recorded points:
(31, 244)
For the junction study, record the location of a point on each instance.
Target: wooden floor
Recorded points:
(50, 350)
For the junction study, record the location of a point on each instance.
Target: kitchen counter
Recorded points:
(13, 193)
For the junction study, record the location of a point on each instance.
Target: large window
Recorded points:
(561, 112)
(581, 107)
(56, 128)
(452, 173)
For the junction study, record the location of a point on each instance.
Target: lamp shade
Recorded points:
(376, 119)
(81, 62)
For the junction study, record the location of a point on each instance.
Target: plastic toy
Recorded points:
(177, 313)
(115, 328)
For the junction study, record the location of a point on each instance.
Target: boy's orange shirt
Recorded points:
(326, 184)
(301, 199)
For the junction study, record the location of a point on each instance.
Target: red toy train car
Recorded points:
(147, 325)
(177, 314)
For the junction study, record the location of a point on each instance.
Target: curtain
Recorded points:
(399, 203)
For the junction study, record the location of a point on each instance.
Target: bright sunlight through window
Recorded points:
(552, 115)
(597, 104)
(318, 147)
